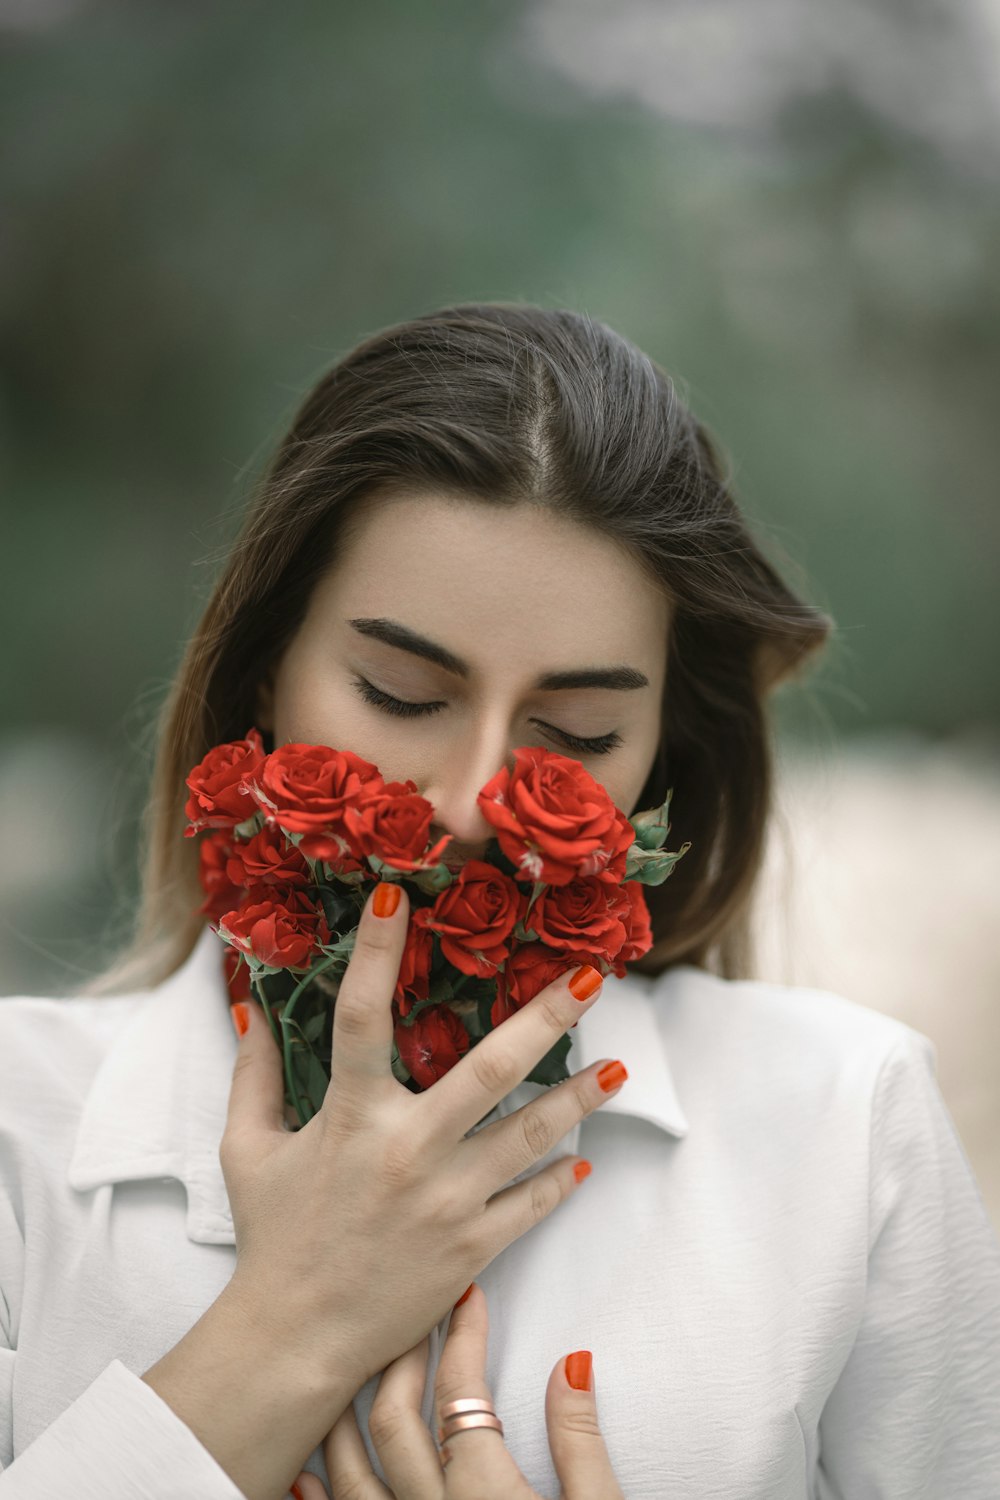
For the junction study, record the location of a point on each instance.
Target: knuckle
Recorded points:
(398, 1166)
(493, 1065)
(451, 1204)
(350, 1012)
(243, 1062)
(536, 1132)
(349, 1486)
(399, 1159)
(386, 1422)
(449, 1385)
(551, 1003)
(543, 1197)
(582, 1421)
(586, 1094)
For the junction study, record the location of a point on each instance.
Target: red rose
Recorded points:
(222, 894)
(638, 928)
(279, 926)
(267, 859)
(413, 982)
(553, 820)
(394, 825)
(432, 1044)
(334, 850)
(618, 843)
(219, 796)
(529, 969)
(589, 912)
(305, 788)
(474, 917)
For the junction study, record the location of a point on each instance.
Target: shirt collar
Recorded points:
(158, 1102)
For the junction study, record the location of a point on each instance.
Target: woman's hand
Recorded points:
(473, 1464)
(382, 1181)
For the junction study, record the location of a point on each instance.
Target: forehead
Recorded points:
(521, 586)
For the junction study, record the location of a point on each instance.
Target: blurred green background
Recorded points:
(205, 205)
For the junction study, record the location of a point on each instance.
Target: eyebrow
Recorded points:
(392, 633)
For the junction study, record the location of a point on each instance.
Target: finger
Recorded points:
(518, 1208)
(506, 1055)
(477, 1460)
(308, 1487)
(361, 1052)
(348, 1466)
(509, 1146)
(404, 1444)
(578, 1451)
(257, 1090)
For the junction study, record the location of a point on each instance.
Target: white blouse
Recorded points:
(790, 1285)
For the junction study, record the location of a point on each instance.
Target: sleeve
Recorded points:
(117, 1438)
(916, 1409)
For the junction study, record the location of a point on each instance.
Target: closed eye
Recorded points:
(601, 745)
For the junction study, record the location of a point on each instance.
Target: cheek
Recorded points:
(322, 707)
(313, 705)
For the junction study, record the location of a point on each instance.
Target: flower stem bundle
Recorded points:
(292, 842)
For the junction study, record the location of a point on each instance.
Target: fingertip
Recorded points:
(578, 1370)
(465, 1296)
(387, 897)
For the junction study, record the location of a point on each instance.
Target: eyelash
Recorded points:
(396, 706)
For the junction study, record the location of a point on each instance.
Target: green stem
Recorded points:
(286, 1043)
(257, 985)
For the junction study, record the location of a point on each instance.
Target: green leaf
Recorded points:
(416, 1007)
(340, 910)
(473, 1023)
(652, 866)
(432, 880)
(653, 824)
(313, 1028)
(250, 826)
(536, 891)
(440, 988)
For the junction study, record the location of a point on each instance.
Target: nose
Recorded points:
(469, 830)
(453, 791)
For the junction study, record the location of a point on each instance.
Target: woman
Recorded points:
(493, 526)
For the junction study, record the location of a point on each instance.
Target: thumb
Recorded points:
(578, 1452)
(257, 1092)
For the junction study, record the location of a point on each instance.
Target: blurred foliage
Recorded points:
(205, 205)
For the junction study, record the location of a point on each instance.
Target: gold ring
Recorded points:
(466, 1404)
(469, 1420)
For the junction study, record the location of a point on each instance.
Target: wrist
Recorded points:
(286, 1348)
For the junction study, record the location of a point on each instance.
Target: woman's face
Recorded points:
(504, 598)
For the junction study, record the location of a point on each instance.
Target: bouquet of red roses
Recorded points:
(294, 840)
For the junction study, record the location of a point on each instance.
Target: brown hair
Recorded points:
(509, 404)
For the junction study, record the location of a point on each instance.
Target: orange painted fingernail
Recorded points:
(240, 1012)
(578, 1369)
(296, 1492)
(385, 899)
(466, 1293)
(585, 981)
(612, 1076)
(581, 1170)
